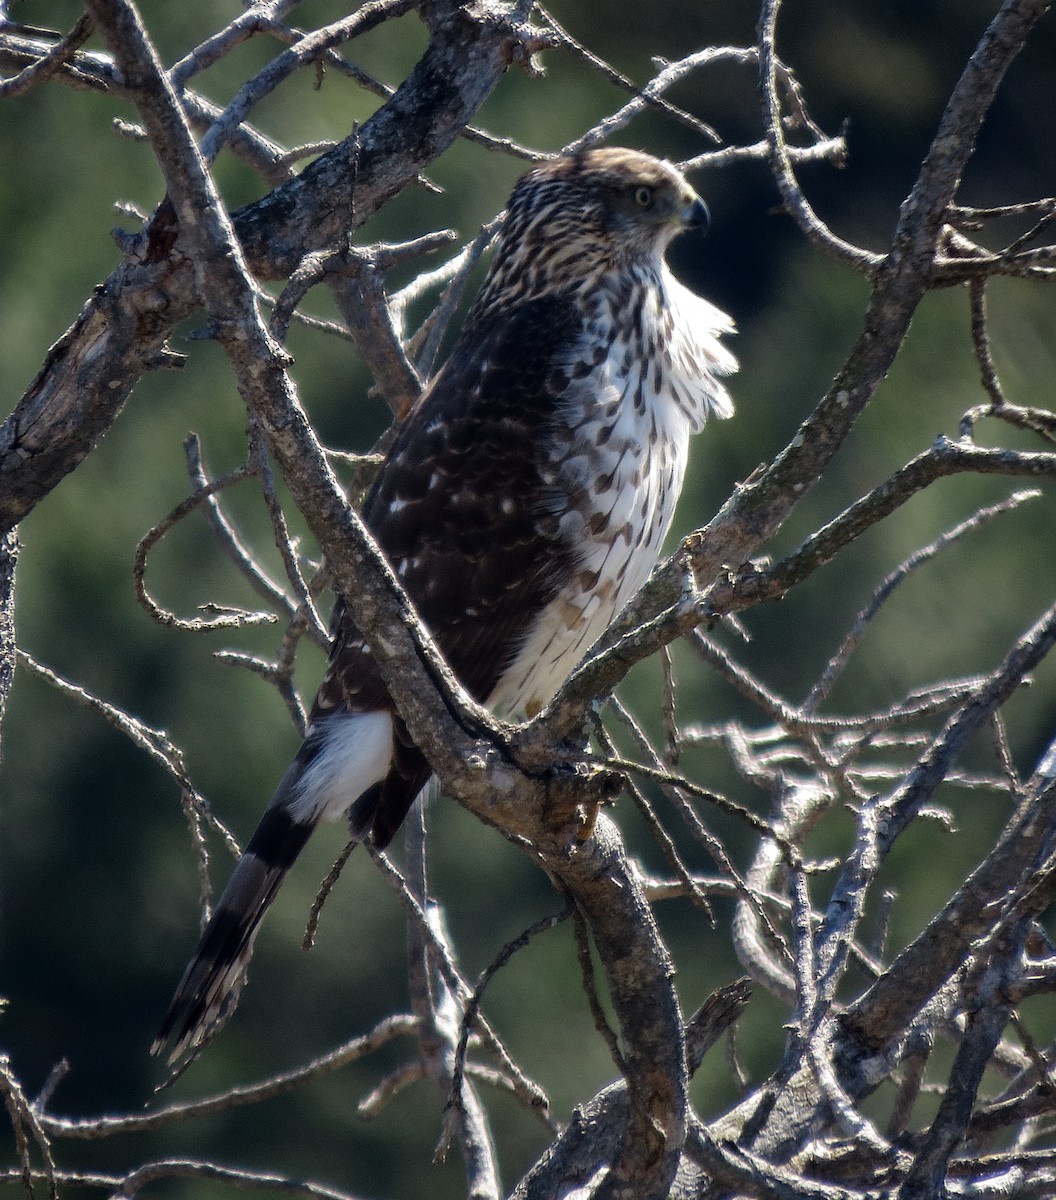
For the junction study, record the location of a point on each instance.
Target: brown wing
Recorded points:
(456, 509)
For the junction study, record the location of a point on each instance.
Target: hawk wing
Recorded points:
(458, 510)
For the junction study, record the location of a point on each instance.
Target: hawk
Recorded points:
(523, 502)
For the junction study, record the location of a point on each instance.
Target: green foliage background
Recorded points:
(98, 887)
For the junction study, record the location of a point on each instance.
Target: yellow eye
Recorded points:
(643, 197)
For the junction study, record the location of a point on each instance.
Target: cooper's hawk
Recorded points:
(522, 504)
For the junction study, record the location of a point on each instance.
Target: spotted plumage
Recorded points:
(522, 504)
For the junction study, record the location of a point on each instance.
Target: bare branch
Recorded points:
(268, 591)
(226, 618)
(989, 1011)
(121, 332)
(257, 19)
(538, 1101)
(796, 204)
(155, 742)
(293, 59)
(49, 64)
(28, 1132)
(836, 665)
(238, 1095)
(563, 38)
(802, 899)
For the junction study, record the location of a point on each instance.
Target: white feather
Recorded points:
(645, 451)
(355, 755)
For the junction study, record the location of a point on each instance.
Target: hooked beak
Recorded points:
(694, 215)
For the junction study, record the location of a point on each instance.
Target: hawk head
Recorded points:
(635, 201)
(575, 218)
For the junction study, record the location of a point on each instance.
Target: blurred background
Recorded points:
(98, 892)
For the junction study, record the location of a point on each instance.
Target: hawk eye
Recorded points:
(643, 197)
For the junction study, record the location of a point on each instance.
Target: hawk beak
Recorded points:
(694, 215)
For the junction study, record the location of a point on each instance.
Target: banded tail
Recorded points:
(209, 988)
(341, 768)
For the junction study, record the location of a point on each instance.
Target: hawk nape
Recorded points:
(522, 504)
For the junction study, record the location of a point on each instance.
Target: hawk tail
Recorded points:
(208, 991)
(340, 763)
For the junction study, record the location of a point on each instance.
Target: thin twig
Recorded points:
(321, 897)
(490, 1039)
(51, 63)
(261, 467)
(155, 742)
(796, 204)
(836, 665)
(305, 52)
(228, 537)
(618, 79)
(225, 618)
(586, 966)
(472, 1006)
(238, 1095)
(28, 1131)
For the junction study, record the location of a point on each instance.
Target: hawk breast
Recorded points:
(632, 388)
